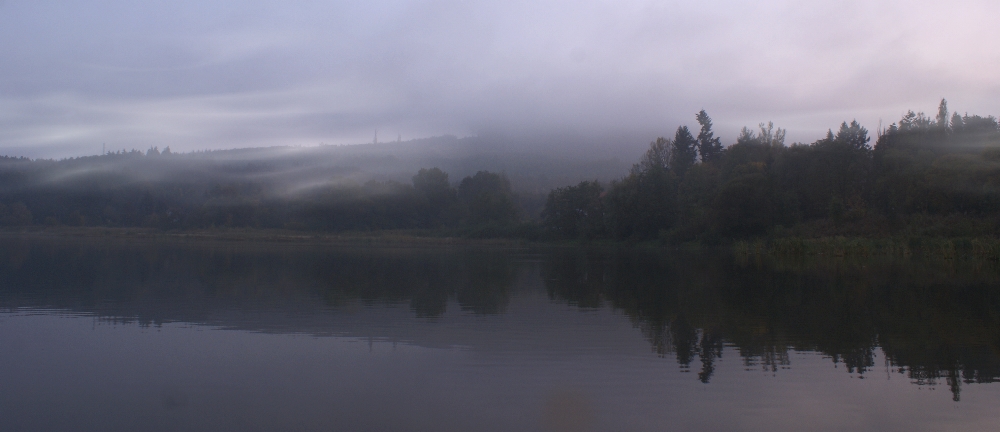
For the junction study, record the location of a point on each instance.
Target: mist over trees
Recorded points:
(435, 183)
(163, 190)
(935, 176)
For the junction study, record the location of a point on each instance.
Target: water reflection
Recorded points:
(158, 282)
(936, 321)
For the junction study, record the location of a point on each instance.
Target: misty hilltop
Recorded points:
(162, 188)
(287, 170)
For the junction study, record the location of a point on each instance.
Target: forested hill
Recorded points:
(363, 187)
(531, 165)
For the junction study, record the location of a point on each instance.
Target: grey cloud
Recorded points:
(234, 74)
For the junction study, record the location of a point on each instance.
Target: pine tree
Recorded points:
(709, 147)
(657, 157)
(684, 151)
(853, 135)
(942, 116)
(771, 136)
(956, 123)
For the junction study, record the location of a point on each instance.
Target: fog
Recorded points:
(611, 75)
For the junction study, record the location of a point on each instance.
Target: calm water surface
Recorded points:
(103, 335)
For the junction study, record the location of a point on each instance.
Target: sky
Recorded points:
(76, 75)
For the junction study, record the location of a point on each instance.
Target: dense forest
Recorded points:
(924, 176)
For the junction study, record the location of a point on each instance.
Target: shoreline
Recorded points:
(381, 238)
(824, 246)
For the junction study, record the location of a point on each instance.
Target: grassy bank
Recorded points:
(360, 238)
(984, 248)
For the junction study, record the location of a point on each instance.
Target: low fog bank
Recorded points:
(531, 163)
(262, 187)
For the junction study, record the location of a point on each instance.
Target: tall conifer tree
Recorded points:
(684, 151)
(709, 147)
(942, 116)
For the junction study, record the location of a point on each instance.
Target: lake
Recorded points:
(156, 335)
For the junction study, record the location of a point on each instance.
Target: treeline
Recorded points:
(923, 176)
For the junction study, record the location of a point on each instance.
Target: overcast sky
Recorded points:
(223, 73)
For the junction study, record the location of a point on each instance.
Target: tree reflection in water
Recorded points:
(935, 320)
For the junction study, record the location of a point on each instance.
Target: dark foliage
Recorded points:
(709, 147)
(487, 198)
(684, 151)
(575, 211)
(644, 202)
(440, 197)
(919, 169)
